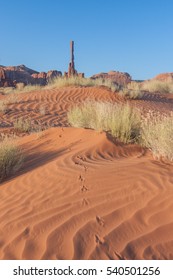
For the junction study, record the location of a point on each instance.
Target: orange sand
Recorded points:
(81, 196)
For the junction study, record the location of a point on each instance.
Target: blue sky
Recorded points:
(134, 36)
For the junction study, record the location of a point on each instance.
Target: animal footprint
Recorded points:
(84, 188)
(81, 178)
(100, 221)
(98, 240)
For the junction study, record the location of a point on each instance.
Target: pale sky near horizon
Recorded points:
(134, 36)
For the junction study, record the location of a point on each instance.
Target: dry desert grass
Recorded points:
(158, 86)
(11, 158)
(79, 81)
(157, 134)
(127, 124)
(121, 120)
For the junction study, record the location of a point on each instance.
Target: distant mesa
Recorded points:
(11, 75)
(164, 77)
(120, 78)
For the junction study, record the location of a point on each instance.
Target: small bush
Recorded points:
(158, 86)
(11, 159)
(3, 107)
(122, 121)
(157, 135)
(131, 94)
(23, 125)
(26, 125)
(136, 86)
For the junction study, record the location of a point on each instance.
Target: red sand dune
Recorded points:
(81, 196)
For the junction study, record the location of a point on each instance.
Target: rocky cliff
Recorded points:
(11, 75)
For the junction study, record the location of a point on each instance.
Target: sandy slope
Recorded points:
(81, 196)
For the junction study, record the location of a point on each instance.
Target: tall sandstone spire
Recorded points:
(71, 69)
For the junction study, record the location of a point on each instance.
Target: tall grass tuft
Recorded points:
(3, 107)
(27, 125)
(79, 81)
(158, 86)
(23, 125)
(11, 158)
(131, 94)
(122, 121)
(157, 135)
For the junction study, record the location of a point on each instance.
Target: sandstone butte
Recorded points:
(11, 75)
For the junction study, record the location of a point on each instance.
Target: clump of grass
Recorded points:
(23, 125)
(122, 121)
(11, 99)
(79, 81)
(26, 125)
(134, 86)
(131, 94)
(28, 88)
(20, 88)
(157, 135)
(3, 107)
(158, 86)
(6, 90)
(11, 158)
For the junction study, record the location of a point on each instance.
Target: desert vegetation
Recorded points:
(122, 121)
(130, 93)
(127, 124)
(11, 158)
(26, 125)
(79, 81)
(157, 134)
(158, 86)
(3, 107)
(20, 88)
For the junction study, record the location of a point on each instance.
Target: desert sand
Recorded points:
(81, 194)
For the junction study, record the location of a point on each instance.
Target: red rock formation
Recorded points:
(53, 74)
(2, 77)
(11, 75)
(117, 77)
(71, 69)
(165, 77)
